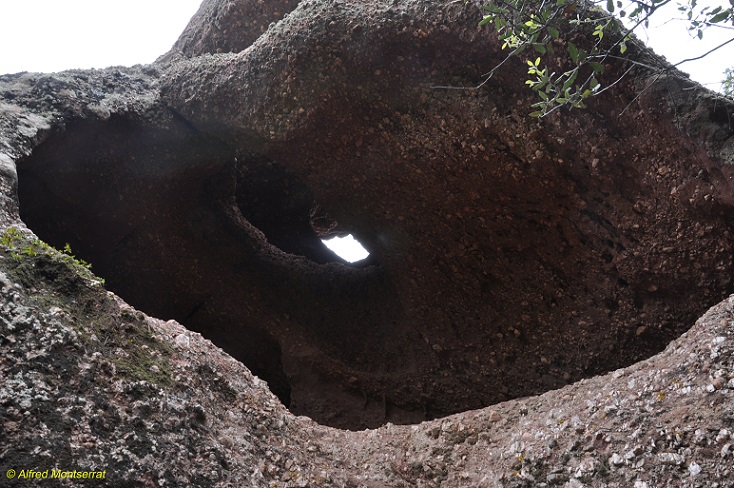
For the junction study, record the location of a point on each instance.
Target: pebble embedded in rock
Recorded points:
(182, 340)
(616, 459)
(671, 458)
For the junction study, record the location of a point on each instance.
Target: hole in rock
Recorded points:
(228, 243)
(283, 208)
(347, 248)
(461, 311)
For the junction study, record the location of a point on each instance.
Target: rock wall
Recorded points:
(509, 257)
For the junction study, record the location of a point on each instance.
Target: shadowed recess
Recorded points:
(504, 281)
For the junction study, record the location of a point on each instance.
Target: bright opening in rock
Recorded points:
(226, 242)
(347, 248)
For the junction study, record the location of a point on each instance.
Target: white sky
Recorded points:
(348, 248)
(55, 35)
(670, 38)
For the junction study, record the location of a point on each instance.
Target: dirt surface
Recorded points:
(509, 257)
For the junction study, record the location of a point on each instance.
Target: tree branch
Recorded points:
(706, 54)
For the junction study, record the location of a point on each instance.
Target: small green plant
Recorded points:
(63, 281)
(67, 250)
(22, 246)
(8, 238)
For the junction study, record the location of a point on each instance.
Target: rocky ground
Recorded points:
(510, 257)
(89, 383)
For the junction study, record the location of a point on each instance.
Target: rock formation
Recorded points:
(509, 257)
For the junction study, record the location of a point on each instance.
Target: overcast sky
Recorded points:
(668, 35)
(53, 35)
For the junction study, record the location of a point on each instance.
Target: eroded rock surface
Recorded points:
(509, 257)
(91, 384)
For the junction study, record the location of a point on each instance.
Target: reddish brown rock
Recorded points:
(510, 256)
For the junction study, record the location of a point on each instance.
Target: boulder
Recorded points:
(510, 256)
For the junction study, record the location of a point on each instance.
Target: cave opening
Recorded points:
(545, 290)
(347, 248)
(184, 227)
(284, 209)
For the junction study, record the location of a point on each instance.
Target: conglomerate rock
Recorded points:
(509, 256)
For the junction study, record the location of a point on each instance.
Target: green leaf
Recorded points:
(597, 67)
(553, 32)
(610, 6)
(719, 17)
(599, 32)
(573, 51)
(622, 47)
(569, 82)
(540, 48)
(536, 114)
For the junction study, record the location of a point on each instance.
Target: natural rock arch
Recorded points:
(511, 256)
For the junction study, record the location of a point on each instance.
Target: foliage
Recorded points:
(727, 87)
(22, 246)
(547, 29)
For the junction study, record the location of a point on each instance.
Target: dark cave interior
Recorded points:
(227, 242)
